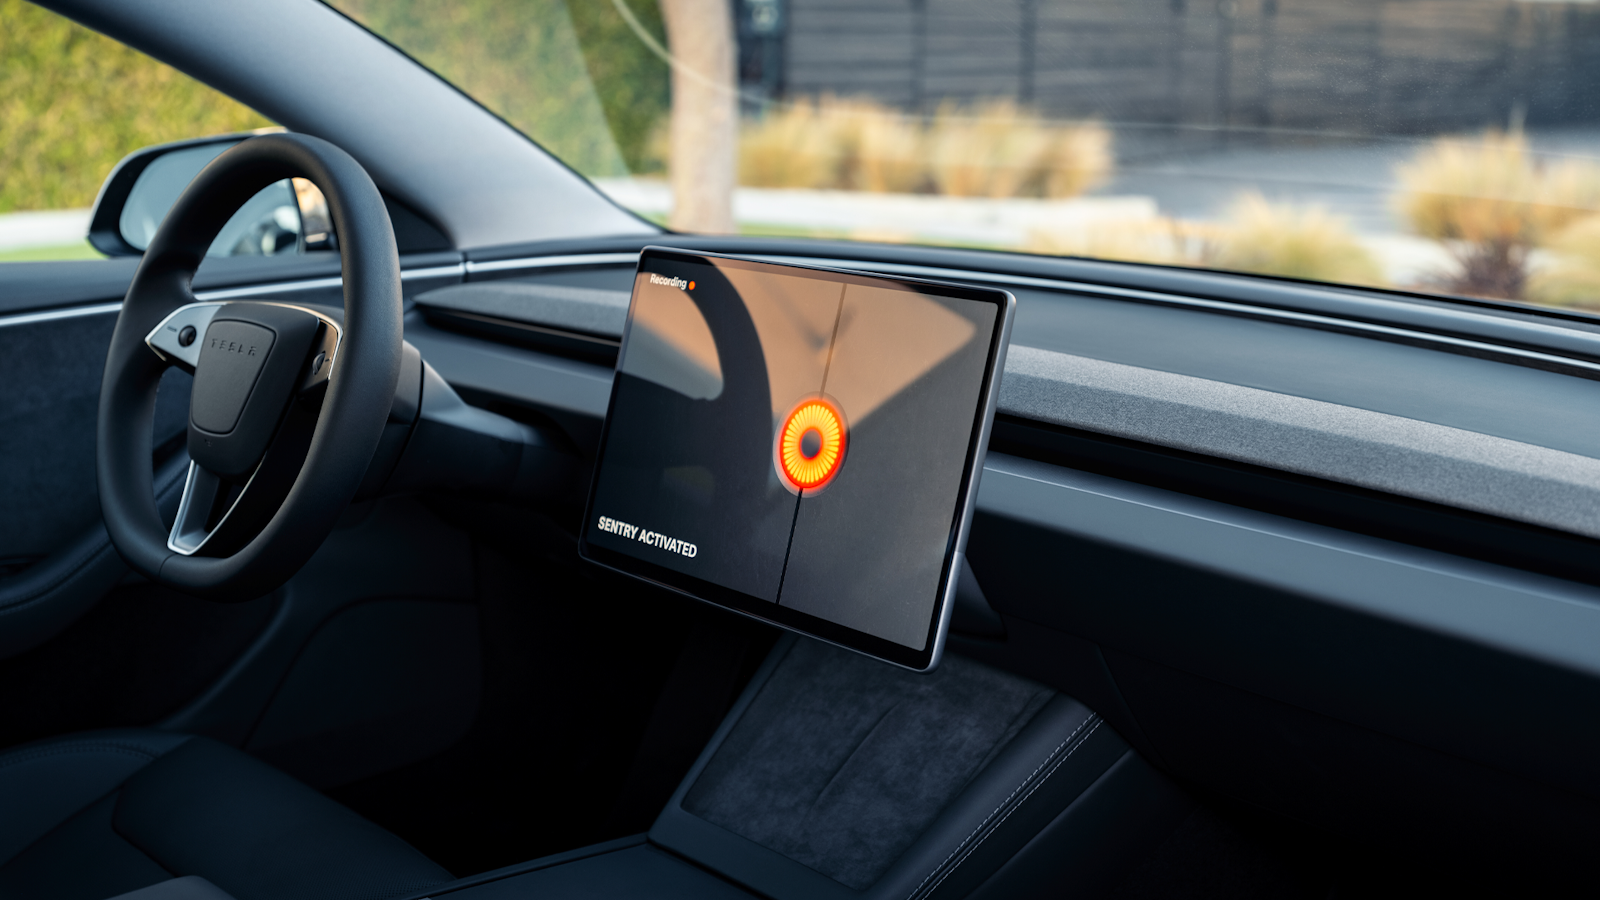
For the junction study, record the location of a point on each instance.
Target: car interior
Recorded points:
(1265, 587)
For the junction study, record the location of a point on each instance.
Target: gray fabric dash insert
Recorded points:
(1375, 450)
(841, 762)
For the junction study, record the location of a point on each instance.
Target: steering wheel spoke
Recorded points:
(205, 504)
(227, 513)
(178, 338)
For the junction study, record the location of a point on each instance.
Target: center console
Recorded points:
(802, 446)
(838, 776)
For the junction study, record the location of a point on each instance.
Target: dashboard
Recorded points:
(1326, 553)
(1299, 555)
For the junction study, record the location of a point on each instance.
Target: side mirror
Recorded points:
(288, 217)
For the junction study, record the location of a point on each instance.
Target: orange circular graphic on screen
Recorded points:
(811, 444)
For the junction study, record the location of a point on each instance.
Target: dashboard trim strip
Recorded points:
(51, 315)
(311, 284)
(1467, 346)
(1516, 355)
(553, 262)
(96, 309)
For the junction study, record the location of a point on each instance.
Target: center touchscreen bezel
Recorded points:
(790, 619)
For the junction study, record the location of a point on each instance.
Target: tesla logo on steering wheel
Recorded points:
(238, 347)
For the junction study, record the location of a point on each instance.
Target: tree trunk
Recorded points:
(704, 138)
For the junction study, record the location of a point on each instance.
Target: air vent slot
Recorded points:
(575, 322)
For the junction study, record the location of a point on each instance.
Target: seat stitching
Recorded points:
(22, 756)
(1049, 758)
(1018, 805)
(1014, 808)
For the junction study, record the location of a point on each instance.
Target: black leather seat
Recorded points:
(97, 814)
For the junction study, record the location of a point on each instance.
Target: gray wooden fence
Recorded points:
(1361, 66)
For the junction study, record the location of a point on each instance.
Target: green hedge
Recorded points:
(633, 83)
(73, 102)
(574, 78)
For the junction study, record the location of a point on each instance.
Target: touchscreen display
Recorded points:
(799, 444)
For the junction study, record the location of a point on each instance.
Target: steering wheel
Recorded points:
(288, 403)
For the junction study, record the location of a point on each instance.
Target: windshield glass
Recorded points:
(1448, 146)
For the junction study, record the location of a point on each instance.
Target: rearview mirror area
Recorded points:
(284, 218)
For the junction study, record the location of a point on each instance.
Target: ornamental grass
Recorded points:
(1291, 241)
(1256, 236)
(991, 149)
(1490, 202)
(1571, 277)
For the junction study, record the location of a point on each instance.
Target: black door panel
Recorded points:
(46, 596)
(83, 644)
(56, 320)
(51, 369)
(140, 653)
(55, 558)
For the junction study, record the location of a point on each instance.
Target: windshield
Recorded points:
(1447, 146)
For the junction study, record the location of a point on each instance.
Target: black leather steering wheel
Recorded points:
(288, 403)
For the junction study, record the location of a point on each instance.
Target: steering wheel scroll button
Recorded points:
(178, 338)
(320, 364)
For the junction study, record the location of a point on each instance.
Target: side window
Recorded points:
(72, 103)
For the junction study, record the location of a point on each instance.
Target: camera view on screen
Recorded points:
(799, 438)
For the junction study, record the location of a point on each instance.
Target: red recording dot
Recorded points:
(691, 285)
